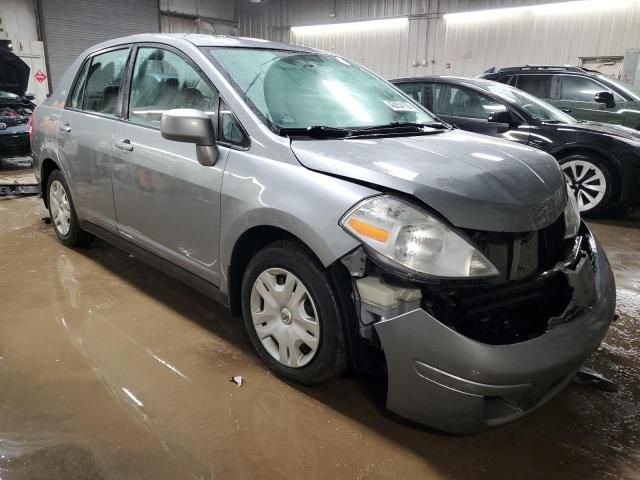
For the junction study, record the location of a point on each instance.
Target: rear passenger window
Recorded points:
(75, 99)
(162, 80)
(423, 93)
(103, 82)
(537, 85)
(414, 90)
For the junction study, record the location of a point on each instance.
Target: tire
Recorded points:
(302, 336)
(63, 213)
(591, 180)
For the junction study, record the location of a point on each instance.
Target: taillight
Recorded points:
(31, 126)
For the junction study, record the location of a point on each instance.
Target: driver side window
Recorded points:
(162, 80)
(462, 102)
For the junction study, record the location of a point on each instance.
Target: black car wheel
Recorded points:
(292, 315)
(591, 181)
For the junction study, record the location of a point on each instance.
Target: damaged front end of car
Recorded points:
(476, 328)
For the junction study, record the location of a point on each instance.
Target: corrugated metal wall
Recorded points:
(428, 44)
(71, 26)
(198, 16)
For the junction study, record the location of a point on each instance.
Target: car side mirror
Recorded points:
(29, 96)
(606, 98)
(502, 116)
(191, 126)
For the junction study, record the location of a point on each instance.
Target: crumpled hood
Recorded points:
(14, 73)
(475, 181)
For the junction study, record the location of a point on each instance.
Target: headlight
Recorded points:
(571, 215)
(414, 241)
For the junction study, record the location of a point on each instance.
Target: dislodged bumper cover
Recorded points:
(442, 379)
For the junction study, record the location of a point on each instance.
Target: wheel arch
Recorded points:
(251, 241)
(48, 166)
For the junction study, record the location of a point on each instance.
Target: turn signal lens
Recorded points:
(368, 230)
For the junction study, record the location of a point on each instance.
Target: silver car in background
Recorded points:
(346, 224)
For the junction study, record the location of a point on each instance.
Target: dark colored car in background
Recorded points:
(585, 94)
(602, 162)
(16, 105)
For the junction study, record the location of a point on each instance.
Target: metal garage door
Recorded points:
(71, 26)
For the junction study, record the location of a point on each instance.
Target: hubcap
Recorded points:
(587, 181)
(60, 208)
(285, 317)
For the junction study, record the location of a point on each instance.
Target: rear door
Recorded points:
(166, 202)
(85, 134)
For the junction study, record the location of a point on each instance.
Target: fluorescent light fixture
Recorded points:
(558, 8)
(395, 22)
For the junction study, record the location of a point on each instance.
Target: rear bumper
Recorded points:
(440, 378)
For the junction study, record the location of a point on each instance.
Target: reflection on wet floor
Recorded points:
(109, 369)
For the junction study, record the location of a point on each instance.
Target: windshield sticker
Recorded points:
(399, 106)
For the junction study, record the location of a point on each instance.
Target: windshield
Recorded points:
(633, 92)
(537, 108)
(298, 90)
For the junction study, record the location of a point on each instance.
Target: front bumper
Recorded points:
(442, 379)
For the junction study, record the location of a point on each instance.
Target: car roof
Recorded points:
(476, 82)
(536, 69)
(201, 40)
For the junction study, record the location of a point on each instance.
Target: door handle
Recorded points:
(124, 145)
(65, 128)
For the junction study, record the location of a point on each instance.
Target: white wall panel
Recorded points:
(220, 9)
(432, 43)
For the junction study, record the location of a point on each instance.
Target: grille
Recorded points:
(506, 314)
(14, 144)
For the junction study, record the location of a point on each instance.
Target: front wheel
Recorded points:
(292, 315)
(591, 181)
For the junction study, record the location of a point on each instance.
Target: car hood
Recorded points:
(475, 181)
(605, 129)
(14, 74)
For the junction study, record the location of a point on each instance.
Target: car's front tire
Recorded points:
(292, 314)
(591, 180)
(63, 214)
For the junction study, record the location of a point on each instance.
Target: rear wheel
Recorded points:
(291, 313)
(63, 214)
(591, 181)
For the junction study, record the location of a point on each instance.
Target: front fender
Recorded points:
(261, 192)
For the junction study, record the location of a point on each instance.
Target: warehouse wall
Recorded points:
(428, 44)
(198, 16)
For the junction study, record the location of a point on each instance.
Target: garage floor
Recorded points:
(109, 369)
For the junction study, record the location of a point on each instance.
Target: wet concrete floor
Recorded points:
(111, 370)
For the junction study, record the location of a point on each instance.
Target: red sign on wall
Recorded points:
(40, 76)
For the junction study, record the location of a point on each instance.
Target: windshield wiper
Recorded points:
(315, 131)
(407, 125)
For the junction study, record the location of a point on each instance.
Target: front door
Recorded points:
(85, 135)
(577, 94)
(166, 202)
